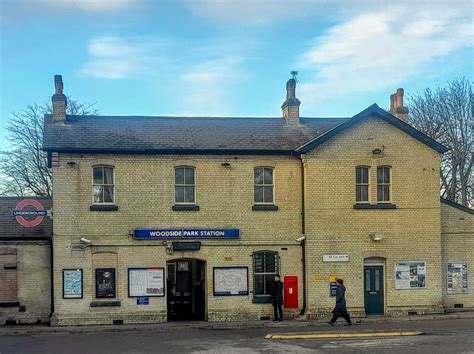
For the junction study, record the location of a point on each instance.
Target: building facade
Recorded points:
(165, 218)
(25, 260)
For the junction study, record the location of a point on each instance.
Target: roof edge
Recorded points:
(457, 205)
(374, 111)
(171, 151)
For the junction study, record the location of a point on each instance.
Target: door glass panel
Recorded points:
(377, 280)
(367, 280)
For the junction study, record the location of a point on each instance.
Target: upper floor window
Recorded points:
(383, 184)
(362, 184)
(184, 185)
(103, 185)
(265, 267)
(263, 185)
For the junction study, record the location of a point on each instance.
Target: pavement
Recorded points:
(45, 329)
(445, 334)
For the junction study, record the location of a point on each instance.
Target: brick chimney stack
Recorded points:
(59, 100)
(291, 107)
(396, 106)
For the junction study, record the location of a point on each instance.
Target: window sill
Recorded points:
(264, 208)
(104, 208)
(262, 300)
(375, 206)
(185, 207)
(10, 304)
(105, 303)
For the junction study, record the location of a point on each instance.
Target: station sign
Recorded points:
(29, 213)
(166, 234)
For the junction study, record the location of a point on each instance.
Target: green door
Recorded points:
(373, 290)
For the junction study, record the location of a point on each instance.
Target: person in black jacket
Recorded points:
(340, 310)
(277, 298)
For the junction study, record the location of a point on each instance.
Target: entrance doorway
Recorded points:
(186, 290)
(373, 290)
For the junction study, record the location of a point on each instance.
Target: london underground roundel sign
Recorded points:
(29, 213)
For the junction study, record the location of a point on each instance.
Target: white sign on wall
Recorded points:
(410, 275)
(230, 281)
(146, 282)
(456, 278)
(336, 258)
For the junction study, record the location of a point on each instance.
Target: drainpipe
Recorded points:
(303, 230)
(52, 274)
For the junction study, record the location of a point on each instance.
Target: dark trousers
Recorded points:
(346, 317)
(278, 309)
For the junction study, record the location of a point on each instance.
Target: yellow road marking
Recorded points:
(341, 335)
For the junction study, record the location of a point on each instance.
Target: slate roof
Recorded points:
(159, 134)
(11, 229)
(195, 135)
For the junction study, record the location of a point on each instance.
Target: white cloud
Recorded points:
(118, 58)
(380, 49)
(205, 86)
(86, 5)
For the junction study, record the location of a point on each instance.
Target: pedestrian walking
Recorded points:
(277, 298)
(340, 310)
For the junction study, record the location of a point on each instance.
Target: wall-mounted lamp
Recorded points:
(377, 151)
(225, 164)
(376, 237)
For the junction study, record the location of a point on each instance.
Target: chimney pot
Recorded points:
(396, 105)
(59, 100)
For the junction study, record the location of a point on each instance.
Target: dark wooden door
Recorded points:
(373, 290)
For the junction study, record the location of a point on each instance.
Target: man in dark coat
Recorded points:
(277, 298)
(340, 310)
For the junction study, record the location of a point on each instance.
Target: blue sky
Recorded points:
(228, 58)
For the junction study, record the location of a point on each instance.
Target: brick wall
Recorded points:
(457, 235)
(411, 232)
(144, 188)
(29, 284)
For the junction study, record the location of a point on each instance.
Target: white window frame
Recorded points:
(102, 185)
(385, 184)
(363, 184)
(185, 185)
(264, 185)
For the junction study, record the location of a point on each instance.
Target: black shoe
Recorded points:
(348, 324)
(331, 323)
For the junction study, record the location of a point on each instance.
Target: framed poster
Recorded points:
(410, 275)
(231, 281)
(146, 282)
(456, 278)
(105, 286)
(72, 283)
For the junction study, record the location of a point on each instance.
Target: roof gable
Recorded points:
(373, 111)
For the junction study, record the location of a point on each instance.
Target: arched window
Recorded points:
(383, 184)
(362, 184)
(103, 185)
(263, 185)
(184, 185)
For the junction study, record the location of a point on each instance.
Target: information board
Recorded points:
(231, 281)
(146, 282)
(72, 283)
(410, 275)
(457, 278)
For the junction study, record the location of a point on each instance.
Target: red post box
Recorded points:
(290, 284)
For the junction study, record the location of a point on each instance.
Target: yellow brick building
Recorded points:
(164, 218)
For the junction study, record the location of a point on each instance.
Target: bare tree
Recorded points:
(23, 167)
(446, 115)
